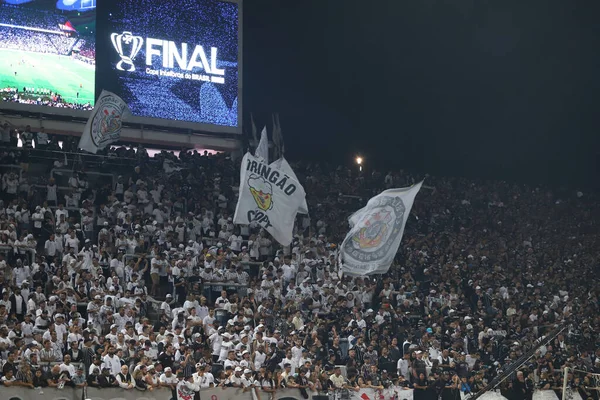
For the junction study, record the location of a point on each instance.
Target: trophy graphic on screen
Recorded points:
(127, 46)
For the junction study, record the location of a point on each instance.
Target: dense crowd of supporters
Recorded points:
(144, 281)
(14, 95)
(34, 17)
(87, 51)
(44, 43)
(15, 34)
(19, 39)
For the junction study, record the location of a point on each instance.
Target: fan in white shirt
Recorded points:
(235, 242)
(67, 366)
(73, 242)
(168, 378)
(207, 321)
(193, 318)
(259, 358)
(222, 300)
(112, 362)
(202, 378)
(215, 341)
(226, 346)
(231, 361)
(38, 218)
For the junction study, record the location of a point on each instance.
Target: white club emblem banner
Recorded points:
(376, 231)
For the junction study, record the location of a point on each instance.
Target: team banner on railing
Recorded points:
(20, 393)
(122, 394)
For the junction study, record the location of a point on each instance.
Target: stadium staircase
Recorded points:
(518, 363)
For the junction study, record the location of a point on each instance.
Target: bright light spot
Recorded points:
(359, 160)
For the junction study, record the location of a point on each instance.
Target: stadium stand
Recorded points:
(35, 18)
(87, 49)
(38, 42)
(49, 98)
(122, 259)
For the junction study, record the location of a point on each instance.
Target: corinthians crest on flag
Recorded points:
(105, 123)
(269, 197)
(376, 231)
(186, 390)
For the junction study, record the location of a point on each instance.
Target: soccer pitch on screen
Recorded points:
(60, 74)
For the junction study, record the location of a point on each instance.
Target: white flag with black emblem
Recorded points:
(269, 197)
(376, 231)
(105, 122)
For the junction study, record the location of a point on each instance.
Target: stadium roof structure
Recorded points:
(66, 121)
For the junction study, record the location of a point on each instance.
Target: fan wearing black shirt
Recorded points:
(351, 360)
(40, 278)
(335, 347)
(330, 363)
(452, 387)
(167, 358)
(93, 378)
(420, 386)
(10, 364)
(75, 353)
(39, 380)
(385, 361)
(395, 354)
(519, 387)
(419, 366)
(106, 379)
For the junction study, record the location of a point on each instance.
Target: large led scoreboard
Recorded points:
(177, 63)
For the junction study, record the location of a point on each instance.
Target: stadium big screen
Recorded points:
(176, 63)
(173, 59)
(47, 52)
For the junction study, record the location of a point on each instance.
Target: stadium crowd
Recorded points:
(37, 42)
(47, 98)
(24, 38)
(87, 51)
(145, 281)
(34, 17)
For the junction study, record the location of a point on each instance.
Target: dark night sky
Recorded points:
(503, 88)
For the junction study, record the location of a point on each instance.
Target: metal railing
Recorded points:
(5, 249)
(69, 173)
(61, 153)
(515, 365)
(241, 289)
